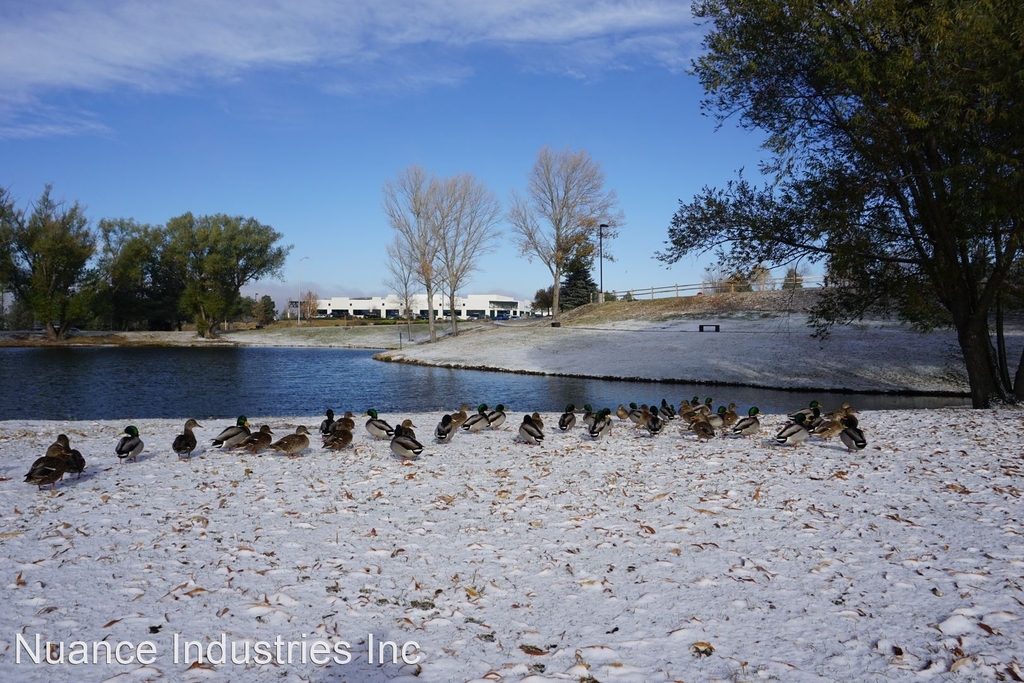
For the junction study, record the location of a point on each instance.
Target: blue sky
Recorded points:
(297, 113)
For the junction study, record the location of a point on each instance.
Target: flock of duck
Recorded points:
(699, 417)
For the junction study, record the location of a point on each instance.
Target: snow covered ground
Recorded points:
(754, 349)
(634, 558)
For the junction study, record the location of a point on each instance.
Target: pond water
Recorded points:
(131, 383)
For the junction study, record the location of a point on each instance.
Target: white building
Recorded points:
(390, 306)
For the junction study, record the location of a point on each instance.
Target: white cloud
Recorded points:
(159, 46)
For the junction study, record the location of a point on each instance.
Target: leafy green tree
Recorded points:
(543, 300)
(214, 257)
(895, 130)
(138, 290)
(45, 260)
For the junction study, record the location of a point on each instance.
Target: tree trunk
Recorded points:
(430, 313)
(451, 307)
(987, 387)
(1004, 368)
(204, 326)
(556, 291)
(1018, 380)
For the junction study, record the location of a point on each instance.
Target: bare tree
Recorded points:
(465, 213)
(310, 303)
(400, 279)
(560, 214)
(407, 203)
(716, 279)
(761, 278)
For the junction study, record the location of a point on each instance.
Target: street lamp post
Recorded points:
(298, 322)
(600, 243)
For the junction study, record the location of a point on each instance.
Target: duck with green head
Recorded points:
(405, 445)
(130, 445)
(445, 429)
(327, 426)
(806, 412)
(748, 425)
(378, 428)
(568, 419)
(496, 417)
(793, 433)
(602, 424)
(477, 421)
(852, 436)
(530, 432)
(233, 435)
(588, 416)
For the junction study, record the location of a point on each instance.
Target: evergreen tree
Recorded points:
(578, 288)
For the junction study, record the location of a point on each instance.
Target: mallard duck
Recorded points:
(748, 425)
(328, 424)
(58, 447)
(233, 435)
(445, 429)
(477, 421)
(716, 419)
(666, 411)
(257, 441)
(130, 445)
(829, 428)
(185, 442)
(840, 412)
(404, 446)
(852, 436)
(292, 444)
(688, 411)
(708, 407)
(74, 462)
(602, 424)
(730, 417)
(496, 417)
(378, 428)
(653, 422)
(568, 419)
(537, 419)
(338, 439)
(703, 429)
(529, 431)
(806, 412)
(793, 434)
(46, 470)
(636, 414)
(622, 412)
(348, 421)
(408, 427)
(459, 417)
(588, 416)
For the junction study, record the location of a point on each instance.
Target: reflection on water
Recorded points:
(131, 383)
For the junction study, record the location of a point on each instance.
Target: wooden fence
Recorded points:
(724, 287)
